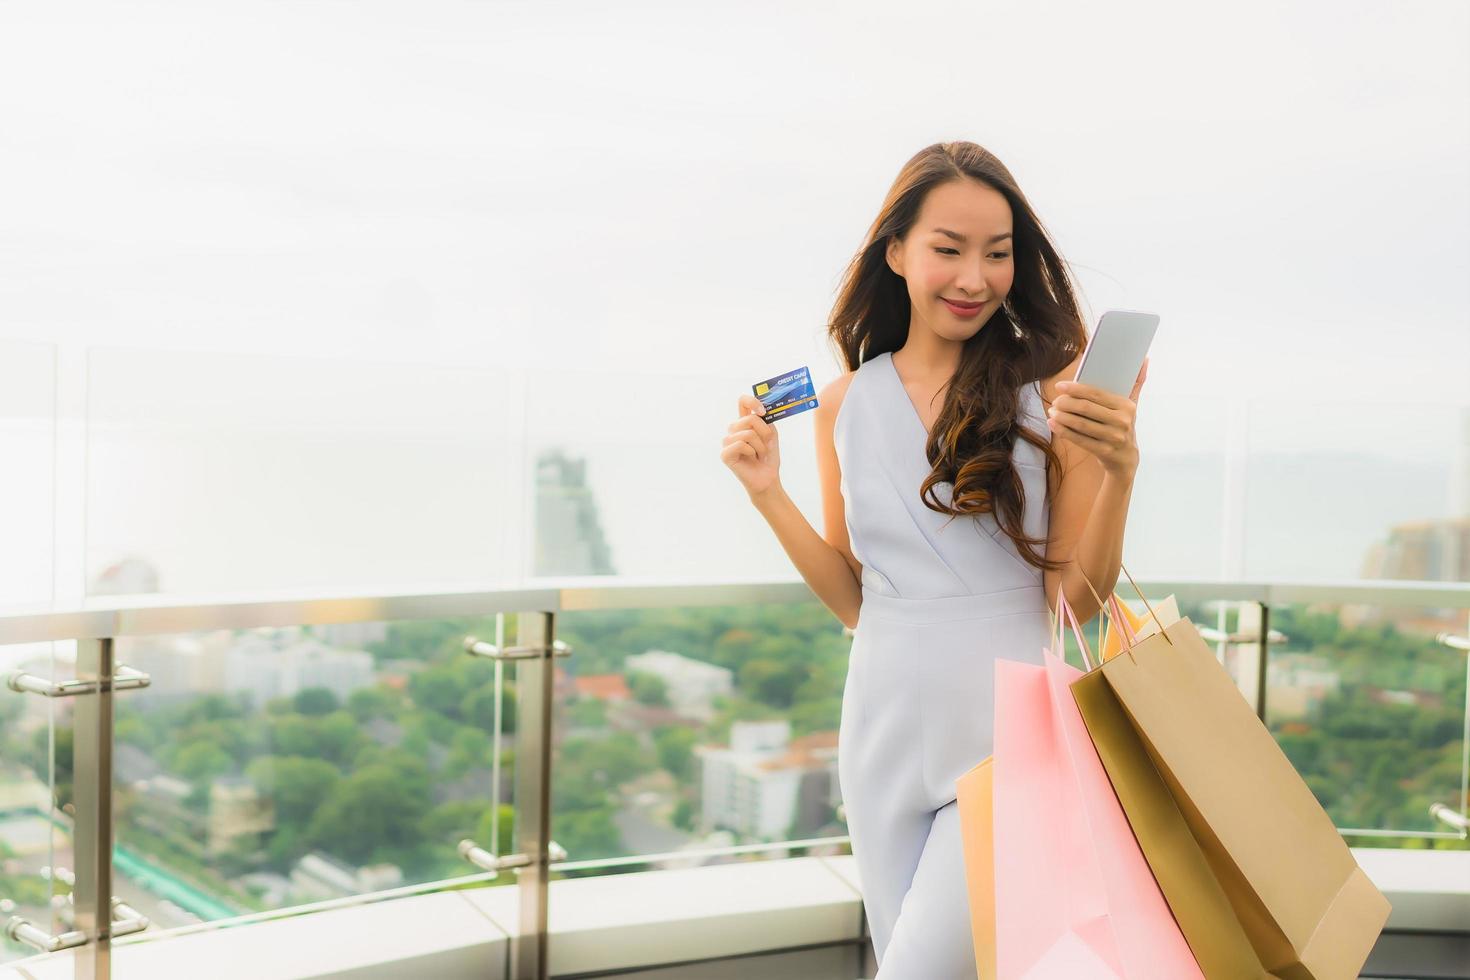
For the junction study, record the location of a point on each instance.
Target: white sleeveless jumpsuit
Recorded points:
(940, 604)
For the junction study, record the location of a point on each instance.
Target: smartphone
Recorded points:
(1115, 354)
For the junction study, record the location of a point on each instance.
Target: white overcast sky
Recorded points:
(671, 190)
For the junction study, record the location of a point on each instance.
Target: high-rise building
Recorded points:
(1428, 551)
(569, 538)
(767, 786)
(1431, 551)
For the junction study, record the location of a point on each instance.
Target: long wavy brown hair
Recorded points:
(1036, 334)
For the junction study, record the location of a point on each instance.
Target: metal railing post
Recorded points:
(1263, 659)
(534, 681)
(1253, 634)
(532, 849)
(92, 792)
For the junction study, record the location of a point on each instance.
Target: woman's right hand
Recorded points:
(752, 449)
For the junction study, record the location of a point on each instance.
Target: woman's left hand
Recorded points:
(1100, 422)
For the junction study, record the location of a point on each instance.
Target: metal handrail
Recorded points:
(158, 615)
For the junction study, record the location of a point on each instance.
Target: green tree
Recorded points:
(339, 736)
(587, 833)
(367, 703)
(648, 688)
(683, 815)
(607, 762)
(588, 713)
(449, 823)
(286, 845)
(133, 729)
(772, 682)
(280, 706)
(212, 707)
(295, 785)
(336, 737)
(39, 759)
(314, 701)
(200, 762)
(675, 747)
(470, 748)
(439, 690)
(504, 820)
(816, 715)
(293, 734)
(478, 707)
(371, 811)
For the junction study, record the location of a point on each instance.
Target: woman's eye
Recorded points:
(952, 251)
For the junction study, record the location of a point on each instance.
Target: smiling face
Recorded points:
(957, 258)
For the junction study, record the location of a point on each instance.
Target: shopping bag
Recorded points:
(1258, 878)
(973, 795)
(1073, 894)
(1166, 611)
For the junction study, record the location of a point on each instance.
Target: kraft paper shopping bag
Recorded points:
(1259, 879)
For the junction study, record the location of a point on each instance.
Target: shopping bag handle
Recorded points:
(1065, 609)
(1110, 611)
(1146, 604)
(1115, 616)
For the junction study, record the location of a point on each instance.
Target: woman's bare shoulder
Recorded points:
(829, 399)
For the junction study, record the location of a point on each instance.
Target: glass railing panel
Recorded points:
(1371, 709)
(273, 769)
(627, 479)
(1181, 514)
(628, 482)
(211, 473)
(35, 831)
(697, 728)
(29, 434)
(37, 807)
(1357, 489)
(1366, 702)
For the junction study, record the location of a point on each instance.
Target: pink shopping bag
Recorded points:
(1074, 896)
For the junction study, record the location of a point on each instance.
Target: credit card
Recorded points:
(786, 394)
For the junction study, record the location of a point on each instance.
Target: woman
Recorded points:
(943, 470)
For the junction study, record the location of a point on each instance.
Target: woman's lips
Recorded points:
(963, 312)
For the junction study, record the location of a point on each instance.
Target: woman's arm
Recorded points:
(825, 569)
(1093, 434)
(1100, 550)
(825, 562)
